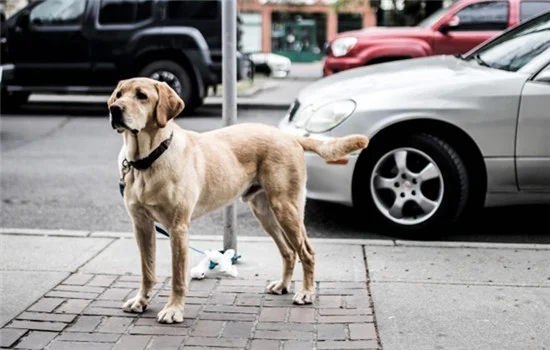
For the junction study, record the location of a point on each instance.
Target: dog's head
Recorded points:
(141, 102)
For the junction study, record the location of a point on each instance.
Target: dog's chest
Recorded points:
(147, 192)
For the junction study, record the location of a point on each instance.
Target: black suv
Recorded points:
(87, 46)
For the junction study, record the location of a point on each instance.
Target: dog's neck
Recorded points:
(140, 145)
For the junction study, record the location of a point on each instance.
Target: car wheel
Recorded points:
(12, 101)
(412, 186)
(176, 77)
(263, 69)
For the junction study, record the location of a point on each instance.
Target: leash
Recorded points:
(212, 264)
(126, 167)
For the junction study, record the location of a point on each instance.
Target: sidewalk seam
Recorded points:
(466, 283)
(371, 303)
(255, 323)
(34, 270)
(91, 258)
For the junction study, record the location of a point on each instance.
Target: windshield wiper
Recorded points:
(481, 62)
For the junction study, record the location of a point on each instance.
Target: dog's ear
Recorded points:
(169, 104)
(112, 98)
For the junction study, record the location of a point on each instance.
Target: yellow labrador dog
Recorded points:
(173, 176)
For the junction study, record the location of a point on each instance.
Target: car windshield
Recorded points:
(516, 48)
(431, 19)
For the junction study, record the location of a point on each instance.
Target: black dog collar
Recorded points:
(146, 162)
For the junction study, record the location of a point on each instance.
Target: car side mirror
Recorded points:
(449, 25)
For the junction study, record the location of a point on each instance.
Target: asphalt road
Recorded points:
(59, 171)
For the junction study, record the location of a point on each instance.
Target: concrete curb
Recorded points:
(215, 102)
(338, 241)
(482, 245)
(44, 232)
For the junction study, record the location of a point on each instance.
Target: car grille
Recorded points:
(295, 106)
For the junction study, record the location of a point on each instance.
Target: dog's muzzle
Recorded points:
(116, 114)
(117, 126)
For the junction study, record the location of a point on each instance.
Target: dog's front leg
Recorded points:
(145, 236)
(173, 311)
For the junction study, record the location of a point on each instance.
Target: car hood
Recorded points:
(417, 75)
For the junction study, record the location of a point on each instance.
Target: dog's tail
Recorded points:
(334, 148)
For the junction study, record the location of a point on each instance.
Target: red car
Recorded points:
(453, 30)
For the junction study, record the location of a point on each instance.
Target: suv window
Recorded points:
(58, 12)
(125, 11)
(491, 15)
(530, 9)
(194, 10)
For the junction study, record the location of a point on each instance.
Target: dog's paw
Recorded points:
(137, 304)
(171, 314)
(277, 287)
(303, 297)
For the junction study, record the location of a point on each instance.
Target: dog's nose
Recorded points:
(116, 112)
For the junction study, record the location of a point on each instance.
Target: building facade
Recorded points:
(299, 29)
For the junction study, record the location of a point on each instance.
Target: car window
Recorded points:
(530, 9)
(194, 10)
(516, 48)
(434, 17)
(125, 11)
(58, 12)
(490, 15)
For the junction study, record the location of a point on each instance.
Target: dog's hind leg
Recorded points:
(288, 211)
(261, 209)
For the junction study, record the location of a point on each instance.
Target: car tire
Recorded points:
(263, 69)
(421, 174)
(12, 101)
(177, 78)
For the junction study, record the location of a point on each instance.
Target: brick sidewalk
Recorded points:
(84, 312)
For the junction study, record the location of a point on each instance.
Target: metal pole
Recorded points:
(229, 106)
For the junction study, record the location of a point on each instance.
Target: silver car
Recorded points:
(448, 135)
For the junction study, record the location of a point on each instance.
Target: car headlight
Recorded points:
(301, 118)
(342, 46)
(328, 116)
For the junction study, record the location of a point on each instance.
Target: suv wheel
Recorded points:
(413, 186)
(176, 77)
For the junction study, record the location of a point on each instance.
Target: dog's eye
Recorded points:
(140, 95)
(118, 94)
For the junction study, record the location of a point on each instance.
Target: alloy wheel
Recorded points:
(407, 186)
